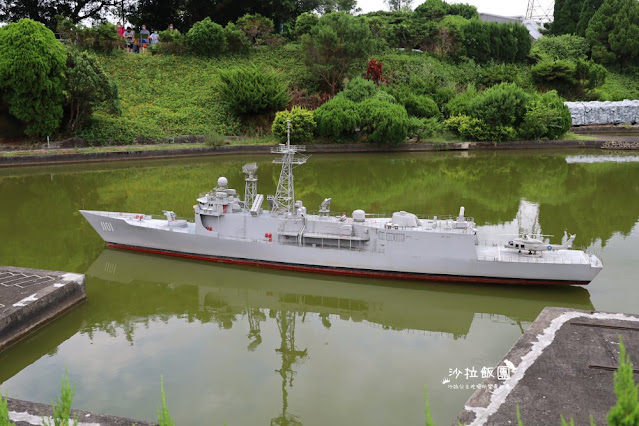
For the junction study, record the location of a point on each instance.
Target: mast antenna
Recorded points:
(540, 10)
(284, 198)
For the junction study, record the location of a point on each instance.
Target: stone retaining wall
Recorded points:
(588, 113)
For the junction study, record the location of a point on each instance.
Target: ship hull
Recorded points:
(351, 272)
(460, 263)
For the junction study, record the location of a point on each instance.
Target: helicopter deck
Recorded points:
(566, 257)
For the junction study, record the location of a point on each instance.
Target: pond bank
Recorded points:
(59, 156)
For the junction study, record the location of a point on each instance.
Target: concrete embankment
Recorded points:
(43, 157)
(29, 298)
(563, 365)
(25, 413)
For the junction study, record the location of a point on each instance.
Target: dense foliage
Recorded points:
(302, 125)
(336, 43)
(384, 122)
(87, 86)
(206, 38)
(337, 118)
(32, 66)
(249, 90)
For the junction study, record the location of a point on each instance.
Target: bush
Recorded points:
(385, 122)
(336, 118)
(546, 118)
(359, 89)
(302, 125)
(384, 96)
(256, 27)
(501, 105)
(478, 130)
(459, 104)
(565, 46)
(214, 139)
(249, 90)
(87, 86)
(32, 65)
(236, 40)
(304, 23)
(422, 106)
(171, 42)
(206, 38)
(421, 128)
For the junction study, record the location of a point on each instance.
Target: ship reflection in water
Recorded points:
(136, 287)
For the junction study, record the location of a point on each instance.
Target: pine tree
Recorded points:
(624, 37)
(587, 11)
(566, 16)
(599, 28)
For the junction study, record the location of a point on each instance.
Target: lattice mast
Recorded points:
(540, 10)
(250, 187)
(284, 199)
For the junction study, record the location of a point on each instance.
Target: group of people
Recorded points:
(138, 42)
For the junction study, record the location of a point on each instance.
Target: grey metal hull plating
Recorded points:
(433, 255)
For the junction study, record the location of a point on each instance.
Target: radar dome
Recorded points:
(359, 215)
(222, 182)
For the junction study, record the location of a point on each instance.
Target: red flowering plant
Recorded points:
(375, 71)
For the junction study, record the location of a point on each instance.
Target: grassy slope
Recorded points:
(164, 96)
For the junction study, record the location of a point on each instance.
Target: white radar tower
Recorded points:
(284, 199)
(250, 189)
(540, 10)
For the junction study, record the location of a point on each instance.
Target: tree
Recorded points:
(255, 27)
(587, 11)
(566, 15)
(346, 6)
(336, 43)
(32, 65)
(87, 86)
(45, 11)
(613, 32)
(206, 38)
(399, 5)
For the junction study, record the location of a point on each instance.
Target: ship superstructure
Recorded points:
(284, 235)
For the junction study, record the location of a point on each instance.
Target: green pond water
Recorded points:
(249, 346)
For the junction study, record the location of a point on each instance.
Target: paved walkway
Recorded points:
(563, 365)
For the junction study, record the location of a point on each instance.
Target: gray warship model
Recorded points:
(403, 246)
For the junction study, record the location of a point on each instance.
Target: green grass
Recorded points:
(619, 87)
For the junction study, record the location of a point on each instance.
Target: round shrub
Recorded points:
(384, 122)
(546, 118)
(249, 90)
(385, 96)
(420, 128)
(336, 118)
(302, 125)
(501, 105)
(304, 23)
(206, 38)
(420, 106)
(236, 40)
(32, 65)
(359, 89)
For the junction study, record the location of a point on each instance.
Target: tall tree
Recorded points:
(346, 6)
(399, 5)
(599, 29)
(32, 66)
(624, 37)
(334, 45)
(45, 11)
(587, 11)
(566, 16)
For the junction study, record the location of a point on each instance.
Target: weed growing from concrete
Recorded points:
(164, 418)
(62, 410)
(626, 411)
(4, 411)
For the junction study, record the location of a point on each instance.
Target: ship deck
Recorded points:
(565, 257)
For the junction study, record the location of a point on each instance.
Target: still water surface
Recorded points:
(252, 346)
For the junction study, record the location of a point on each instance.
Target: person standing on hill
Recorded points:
(144, 37)
(155, 38)
(120, 29)
(128, 35)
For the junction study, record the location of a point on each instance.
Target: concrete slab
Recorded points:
(29, 298)
(25, 413)
(563, 365)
